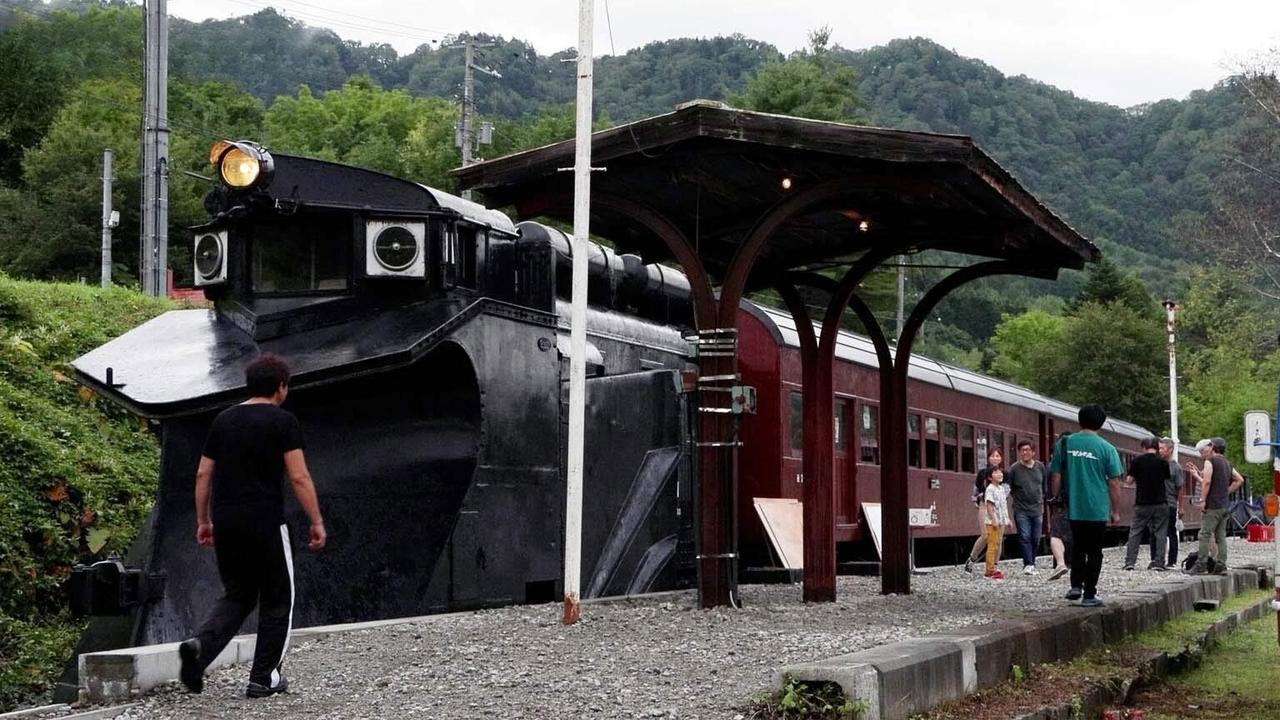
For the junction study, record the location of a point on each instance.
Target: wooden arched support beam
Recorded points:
(895, 568)
(716, 487)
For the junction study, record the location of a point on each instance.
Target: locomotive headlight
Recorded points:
(242, 165)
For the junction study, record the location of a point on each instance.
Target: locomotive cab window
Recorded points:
(305, 254)
(458, 255)
(869, 434)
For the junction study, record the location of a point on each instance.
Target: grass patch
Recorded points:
(78, 474)
(1066, 683)
(1236, 680)
(1181, 631)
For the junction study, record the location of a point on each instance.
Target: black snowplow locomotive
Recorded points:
(428, 337)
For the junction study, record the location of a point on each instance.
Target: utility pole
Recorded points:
(106, 218)
(578, 318)
(465, 138)
(153, 251)
(1170, 308)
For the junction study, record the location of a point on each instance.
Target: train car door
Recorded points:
(842, 464)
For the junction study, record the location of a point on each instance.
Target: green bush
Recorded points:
(78, 473)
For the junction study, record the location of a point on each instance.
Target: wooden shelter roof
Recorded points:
(714, 171)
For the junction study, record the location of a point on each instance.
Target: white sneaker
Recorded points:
(1030, 570)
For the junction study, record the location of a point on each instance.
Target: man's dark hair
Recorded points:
(1150, 443)
(1025, 443)
(1219, 445)
(265, 374)
(1092, 417)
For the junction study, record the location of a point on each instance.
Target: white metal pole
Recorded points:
(578, 318)
(902, 291)
(106, 218)
(1170, 308)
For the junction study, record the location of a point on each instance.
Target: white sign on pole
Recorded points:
(1257, 436)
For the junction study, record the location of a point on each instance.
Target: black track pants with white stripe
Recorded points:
(255, 562)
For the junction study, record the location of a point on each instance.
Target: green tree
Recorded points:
(807, 84)
(1112, 355)
(1025, 346)
(1107, 284)
(50, 227)
(364, 125)
(43, 59)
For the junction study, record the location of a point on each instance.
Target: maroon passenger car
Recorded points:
(954, 417)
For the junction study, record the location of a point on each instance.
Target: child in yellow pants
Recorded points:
(997, 500)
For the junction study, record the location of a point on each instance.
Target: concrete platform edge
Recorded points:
(912, 676)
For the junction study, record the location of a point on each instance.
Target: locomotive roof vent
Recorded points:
(395, 248)
(210, 254)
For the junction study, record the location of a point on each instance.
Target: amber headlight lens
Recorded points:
(240, 167)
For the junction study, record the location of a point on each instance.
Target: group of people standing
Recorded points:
(1081, 488)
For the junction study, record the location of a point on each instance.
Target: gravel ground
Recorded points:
(655, 658)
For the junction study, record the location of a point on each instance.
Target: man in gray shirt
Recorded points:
(1174, 488)
(1026, 484)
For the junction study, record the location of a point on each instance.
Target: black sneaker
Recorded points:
(1197, 570)
(1128, 567)
(968, 565)
(1074, 593)
(258, 690)
(1153, 566)
(190, 674)
(1220, 570)
(1158, 568)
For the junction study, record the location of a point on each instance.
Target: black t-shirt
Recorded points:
(1218, 484)
(1149, 471)
(247, 444)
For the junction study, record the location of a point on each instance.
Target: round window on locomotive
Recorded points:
(210, 255)
(395, 248)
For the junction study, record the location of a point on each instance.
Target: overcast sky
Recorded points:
(1118, 51)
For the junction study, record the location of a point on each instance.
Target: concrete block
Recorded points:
(895, 680)
(59, 709)
(996, 649)
(1112, 618)
(916, 675)
(114, 676)
(858, 680)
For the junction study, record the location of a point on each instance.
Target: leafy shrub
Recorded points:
(78, 473)
(808, 701)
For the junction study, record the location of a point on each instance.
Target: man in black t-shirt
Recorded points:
(1150, 511)
(250, 449)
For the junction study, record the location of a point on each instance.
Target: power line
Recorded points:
(320, 20)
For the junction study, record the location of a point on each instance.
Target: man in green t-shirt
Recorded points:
(1092, 471)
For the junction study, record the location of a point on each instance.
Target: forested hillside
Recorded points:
(1134, 176)
(1149, 184)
